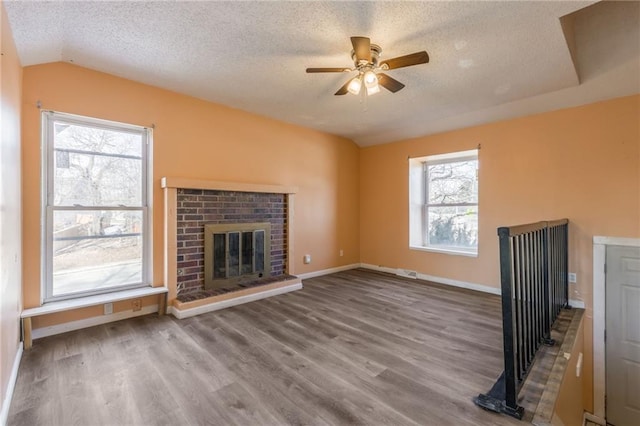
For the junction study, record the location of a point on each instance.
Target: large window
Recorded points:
(444, 202)
(96, 206)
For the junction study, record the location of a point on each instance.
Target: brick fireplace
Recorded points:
(190, 205)
(197, 208)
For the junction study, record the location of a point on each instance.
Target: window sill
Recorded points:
(83, 302)
(445, 251)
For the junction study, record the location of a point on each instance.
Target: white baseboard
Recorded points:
(328, 271)
(90, 322)
(379, 268)
(439, 280)
(461, 284)
(215, 306)
(6, 404)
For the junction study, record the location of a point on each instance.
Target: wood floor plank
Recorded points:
(244, 408)
(321, 392)
(387, 333)
(336, 392)
(356, 347)
(255, 379)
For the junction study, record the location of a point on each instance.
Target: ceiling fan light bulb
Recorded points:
(354, 86)
(370, 79)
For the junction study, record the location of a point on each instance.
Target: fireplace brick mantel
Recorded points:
(176, 187)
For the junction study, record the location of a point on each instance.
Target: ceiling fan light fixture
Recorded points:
(373, 90)
(371, 82)
(355, 85)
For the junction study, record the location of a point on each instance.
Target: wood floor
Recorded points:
(356, 347)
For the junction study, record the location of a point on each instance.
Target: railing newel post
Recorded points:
(565, 253)
(503, 397)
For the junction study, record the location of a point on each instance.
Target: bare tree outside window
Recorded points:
(451, 208)
(97, 208)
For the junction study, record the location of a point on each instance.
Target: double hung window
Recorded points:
(96, 204)
(444, 202)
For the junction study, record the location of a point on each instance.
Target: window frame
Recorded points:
(49, 119)
(419, 201)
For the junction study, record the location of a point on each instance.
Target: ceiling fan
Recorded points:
(366, 60)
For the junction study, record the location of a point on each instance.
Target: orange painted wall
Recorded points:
(200, 140)
(581, 163)
(10, 245)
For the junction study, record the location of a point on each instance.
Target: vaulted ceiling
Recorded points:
(488, 60)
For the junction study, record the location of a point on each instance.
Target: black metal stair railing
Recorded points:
(534, 284)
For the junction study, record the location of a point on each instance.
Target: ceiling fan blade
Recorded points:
(406, 61)
(362, 48)
(312, 70)
(344, 89)
(389, 83)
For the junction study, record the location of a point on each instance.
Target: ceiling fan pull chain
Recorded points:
(364, 100)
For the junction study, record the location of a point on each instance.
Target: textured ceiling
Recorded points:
(489, 60)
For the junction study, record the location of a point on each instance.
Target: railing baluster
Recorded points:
(565, 264)
(534, 291)
(540, 286)
(531, 344)
(556, 269)
(521, 347)
(517, 311)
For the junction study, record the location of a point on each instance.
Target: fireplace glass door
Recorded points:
(236, 253)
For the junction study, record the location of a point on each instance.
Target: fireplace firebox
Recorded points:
(236, 253)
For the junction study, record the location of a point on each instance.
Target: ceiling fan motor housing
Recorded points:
(375, 56)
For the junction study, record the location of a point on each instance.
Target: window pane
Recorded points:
(95, 167)
(454, 227)
(89, 138)
(452, 183)
(96, 249)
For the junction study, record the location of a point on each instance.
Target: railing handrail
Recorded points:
(557, 222)
(514, 230)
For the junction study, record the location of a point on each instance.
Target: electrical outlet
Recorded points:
(108, 308)
(341, 252)
(572, 277)
(136, 304)
(307, 259)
